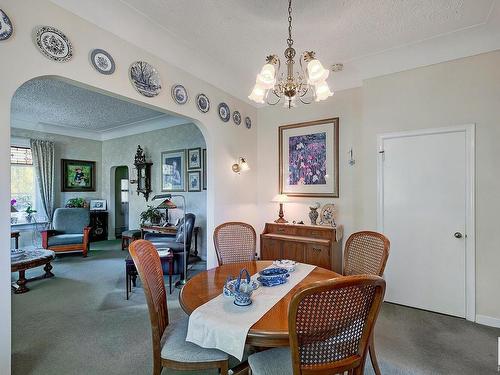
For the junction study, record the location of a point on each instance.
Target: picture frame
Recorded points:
(309, 158)
(173, 171)
(194, 181)
(194, 158)
(98, 205)
(204, 171)
(78, 175)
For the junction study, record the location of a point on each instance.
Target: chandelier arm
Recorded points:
(277, 96)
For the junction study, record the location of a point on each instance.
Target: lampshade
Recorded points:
(280, 198)
(316, 72)
(166, 204)
(266, 78)
(322, 91)
(257, 94)
(244, 165)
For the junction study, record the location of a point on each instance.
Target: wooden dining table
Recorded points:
(272, 329)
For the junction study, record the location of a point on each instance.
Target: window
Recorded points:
(22, 180)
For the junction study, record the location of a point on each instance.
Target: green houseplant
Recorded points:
(75, 203)
(151, 215)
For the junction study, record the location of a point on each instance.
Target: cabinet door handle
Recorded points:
(314, 233)
(280, 229)
(316, 249)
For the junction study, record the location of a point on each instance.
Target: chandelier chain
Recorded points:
(289, 40)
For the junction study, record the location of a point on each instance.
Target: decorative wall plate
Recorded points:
(248, 122)
(6, 27)
(145, 78)
(327, 216)
(53, 44)
(102, 61)
(203, 103)
(224, 112)
(179, 94)
(237, 117)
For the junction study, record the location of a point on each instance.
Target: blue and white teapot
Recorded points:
(243, 290)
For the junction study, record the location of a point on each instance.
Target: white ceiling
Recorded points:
(225, 41)
(56, 106)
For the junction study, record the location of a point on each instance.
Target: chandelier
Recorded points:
(271, 85)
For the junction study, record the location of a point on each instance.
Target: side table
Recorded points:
(31, 259)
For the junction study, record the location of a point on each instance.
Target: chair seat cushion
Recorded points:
(132, 233)
(277, 361)
(176, 348)
(65, 239)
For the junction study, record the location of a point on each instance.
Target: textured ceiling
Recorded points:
(54, 102)
(225, 41)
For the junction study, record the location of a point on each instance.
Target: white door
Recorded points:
(423, 203)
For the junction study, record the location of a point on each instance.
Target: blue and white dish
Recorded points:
(53, 44)
(102, 61)
(237, 117)
(224, 112)
(243, 289)
(272, 282)
(16, 254)
(145, 78)
(228, 289)
(273, 276)
(202, 103)
(179, 94)
(248, 122)
(287, 264)
(6, 27)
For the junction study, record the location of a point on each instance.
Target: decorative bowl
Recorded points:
(273, 282)
(16, 253)
(243, 290)
(287, 264)
(228, 289)
(273, 276)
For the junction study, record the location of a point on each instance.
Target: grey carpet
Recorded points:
(80, 323)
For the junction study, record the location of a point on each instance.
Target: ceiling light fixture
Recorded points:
(291, 85)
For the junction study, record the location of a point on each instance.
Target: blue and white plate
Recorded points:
(202, 103)
(237, 117)
(145, 78)
(248, 122)
(272, 282)
(179, 94)
(6, 27)
(102, 61)
(224, 112)
(53, 44)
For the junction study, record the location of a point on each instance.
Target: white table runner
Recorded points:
(221, 324)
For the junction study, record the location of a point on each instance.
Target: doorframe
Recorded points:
(470, 211)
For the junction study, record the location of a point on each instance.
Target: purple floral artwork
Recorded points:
(307, 159)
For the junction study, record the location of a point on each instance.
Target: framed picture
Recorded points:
(194, 181)
(204, 163)
(194, 158)
(78, 175)
(173, 170)
(98, 205)
(309, 159)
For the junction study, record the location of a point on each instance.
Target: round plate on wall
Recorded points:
(248, 122)
(237, 117)
(53, 44)
(179, 94)
(145, 78)
(224, 112)
(102, 61)
(6, 27)
(203, 103)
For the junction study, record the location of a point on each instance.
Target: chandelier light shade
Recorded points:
(306, 85)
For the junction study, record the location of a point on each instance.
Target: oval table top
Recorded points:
(272, 329)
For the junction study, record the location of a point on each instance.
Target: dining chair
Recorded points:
(330, 324)
(366, 253)
(235, 242)
(170, 348)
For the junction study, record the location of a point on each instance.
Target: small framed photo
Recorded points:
(98, 205)
(204, 171)
(194, 158)
(78, 175)
(194, 181)
(173, 167)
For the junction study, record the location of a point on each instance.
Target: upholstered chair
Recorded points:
(366, 253)
(235, 242)
(170, 348)
(71, 231)
(330, 323)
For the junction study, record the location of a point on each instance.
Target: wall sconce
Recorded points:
(240, 166)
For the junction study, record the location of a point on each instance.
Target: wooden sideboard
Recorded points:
(317, 245)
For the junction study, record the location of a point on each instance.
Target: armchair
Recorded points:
(71, 231)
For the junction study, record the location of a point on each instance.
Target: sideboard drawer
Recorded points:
(282, 229)
(318, 255)
(314, 233)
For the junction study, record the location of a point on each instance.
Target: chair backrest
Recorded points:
(148, 265)
(331, 321)
(235, 242)
(71, 220)
(366, 253)
(190, 219)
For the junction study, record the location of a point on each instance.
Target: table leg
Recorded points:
(47, 269)
(196, 243)
(21, 282)
(170, 272)
(17, 241)
(133, 274)
(127, 281)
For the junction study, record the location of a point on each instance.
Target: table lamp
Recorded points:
(166, 205)
(280, 198)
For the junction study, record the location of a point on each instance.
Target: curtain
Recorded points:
(44, 162)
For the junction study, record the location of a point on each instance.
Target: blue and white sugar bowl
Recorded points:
(243, 289)
(273, 276)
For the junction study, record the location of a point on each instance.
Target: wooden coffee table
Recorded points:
(30, 259)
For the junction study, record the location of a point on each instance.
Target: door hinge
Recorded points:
(382, 153)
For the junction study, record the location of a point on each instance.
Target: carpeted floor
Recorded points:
(80, 323)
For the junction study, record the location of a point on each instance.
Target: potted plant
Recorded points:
(29, 213)
(151, 215)
(76, 203)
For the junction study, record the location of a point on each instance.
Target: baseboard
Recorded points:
(488, 321)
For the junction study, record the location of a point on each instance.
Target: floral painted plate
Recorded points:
(102, 61)
(6, 27)
(179, 94)
(203, 103)
(145, 78)
(53, 44)
(237, 117)
(224, 112)
(248, 122)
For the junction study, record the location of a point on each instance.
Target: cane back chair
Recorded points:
(235, 242)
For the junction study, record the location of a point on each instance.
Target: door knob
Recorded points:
(458, 235)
